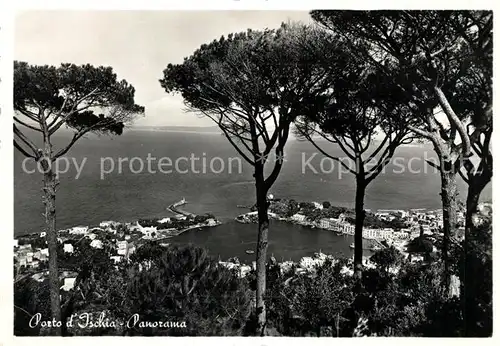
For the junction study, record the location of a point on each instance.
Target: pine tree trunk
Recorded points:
(449, 203)
(49, 188)
(358, 229)
(476, 185)
(261, 253)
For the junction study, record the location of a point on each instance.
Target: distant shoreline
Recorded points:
(175, 131)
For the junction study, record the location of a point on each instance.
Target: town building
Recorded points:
(116, 259)
(121, 247)
(307, 263)
(78, 230)
(397, 212)
(330, 223)
(109, 224)
(211, 222)
(96, 243)
(298, 217)
(25, 247)
(68, 248)
(346, 228)
(69, 283)
(400, 235)
(318, 205)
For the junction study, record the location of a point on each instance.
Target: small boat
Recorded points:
(249, 252)
(375, 248)
(351, 246)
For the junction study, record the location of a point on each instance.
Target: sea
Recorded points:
(120, 178)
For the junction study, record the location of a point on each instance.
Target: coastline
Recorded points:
(382, 228)
(172, 208)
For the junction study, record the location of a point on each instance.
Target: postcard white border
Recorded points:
(7, 12)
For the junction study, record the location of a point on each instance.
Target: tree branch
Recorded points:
(25, 140)
(433, 165)
(24, 152)
(453, 119)
(308, 137)
(228, 136)
(420, 132)
(27, 125)
(76, 137)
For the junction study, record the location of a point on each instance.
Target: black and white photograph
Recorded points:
(251, 173)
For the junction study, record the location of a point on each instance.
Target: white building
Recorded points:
(307, 263)
(382, 214)
(369, 233)
(244, 270)
(386, 233)
(164, 220)
(342, 217)
(346, 228)
(40, 277)
(485, 209)
(69, 283)
(25, 247)
(298, 217)
(16, 243)
(108, 224)
(121, 247)
(330, 223)
(68, 248)
(318, 205)
(44, 251)
(117, 259)
(96, 243)
(286, 266)
(417, 258)
(400, 235)
(211, 222)
(78, 230)
(43, 234)
(421, 216)
(147, 231)
(91, 236)
(386, 212)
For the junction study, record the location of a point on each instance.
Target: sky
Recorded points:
(137, 44)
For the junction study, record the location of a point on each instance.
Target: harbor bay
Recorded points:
(127, 197)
